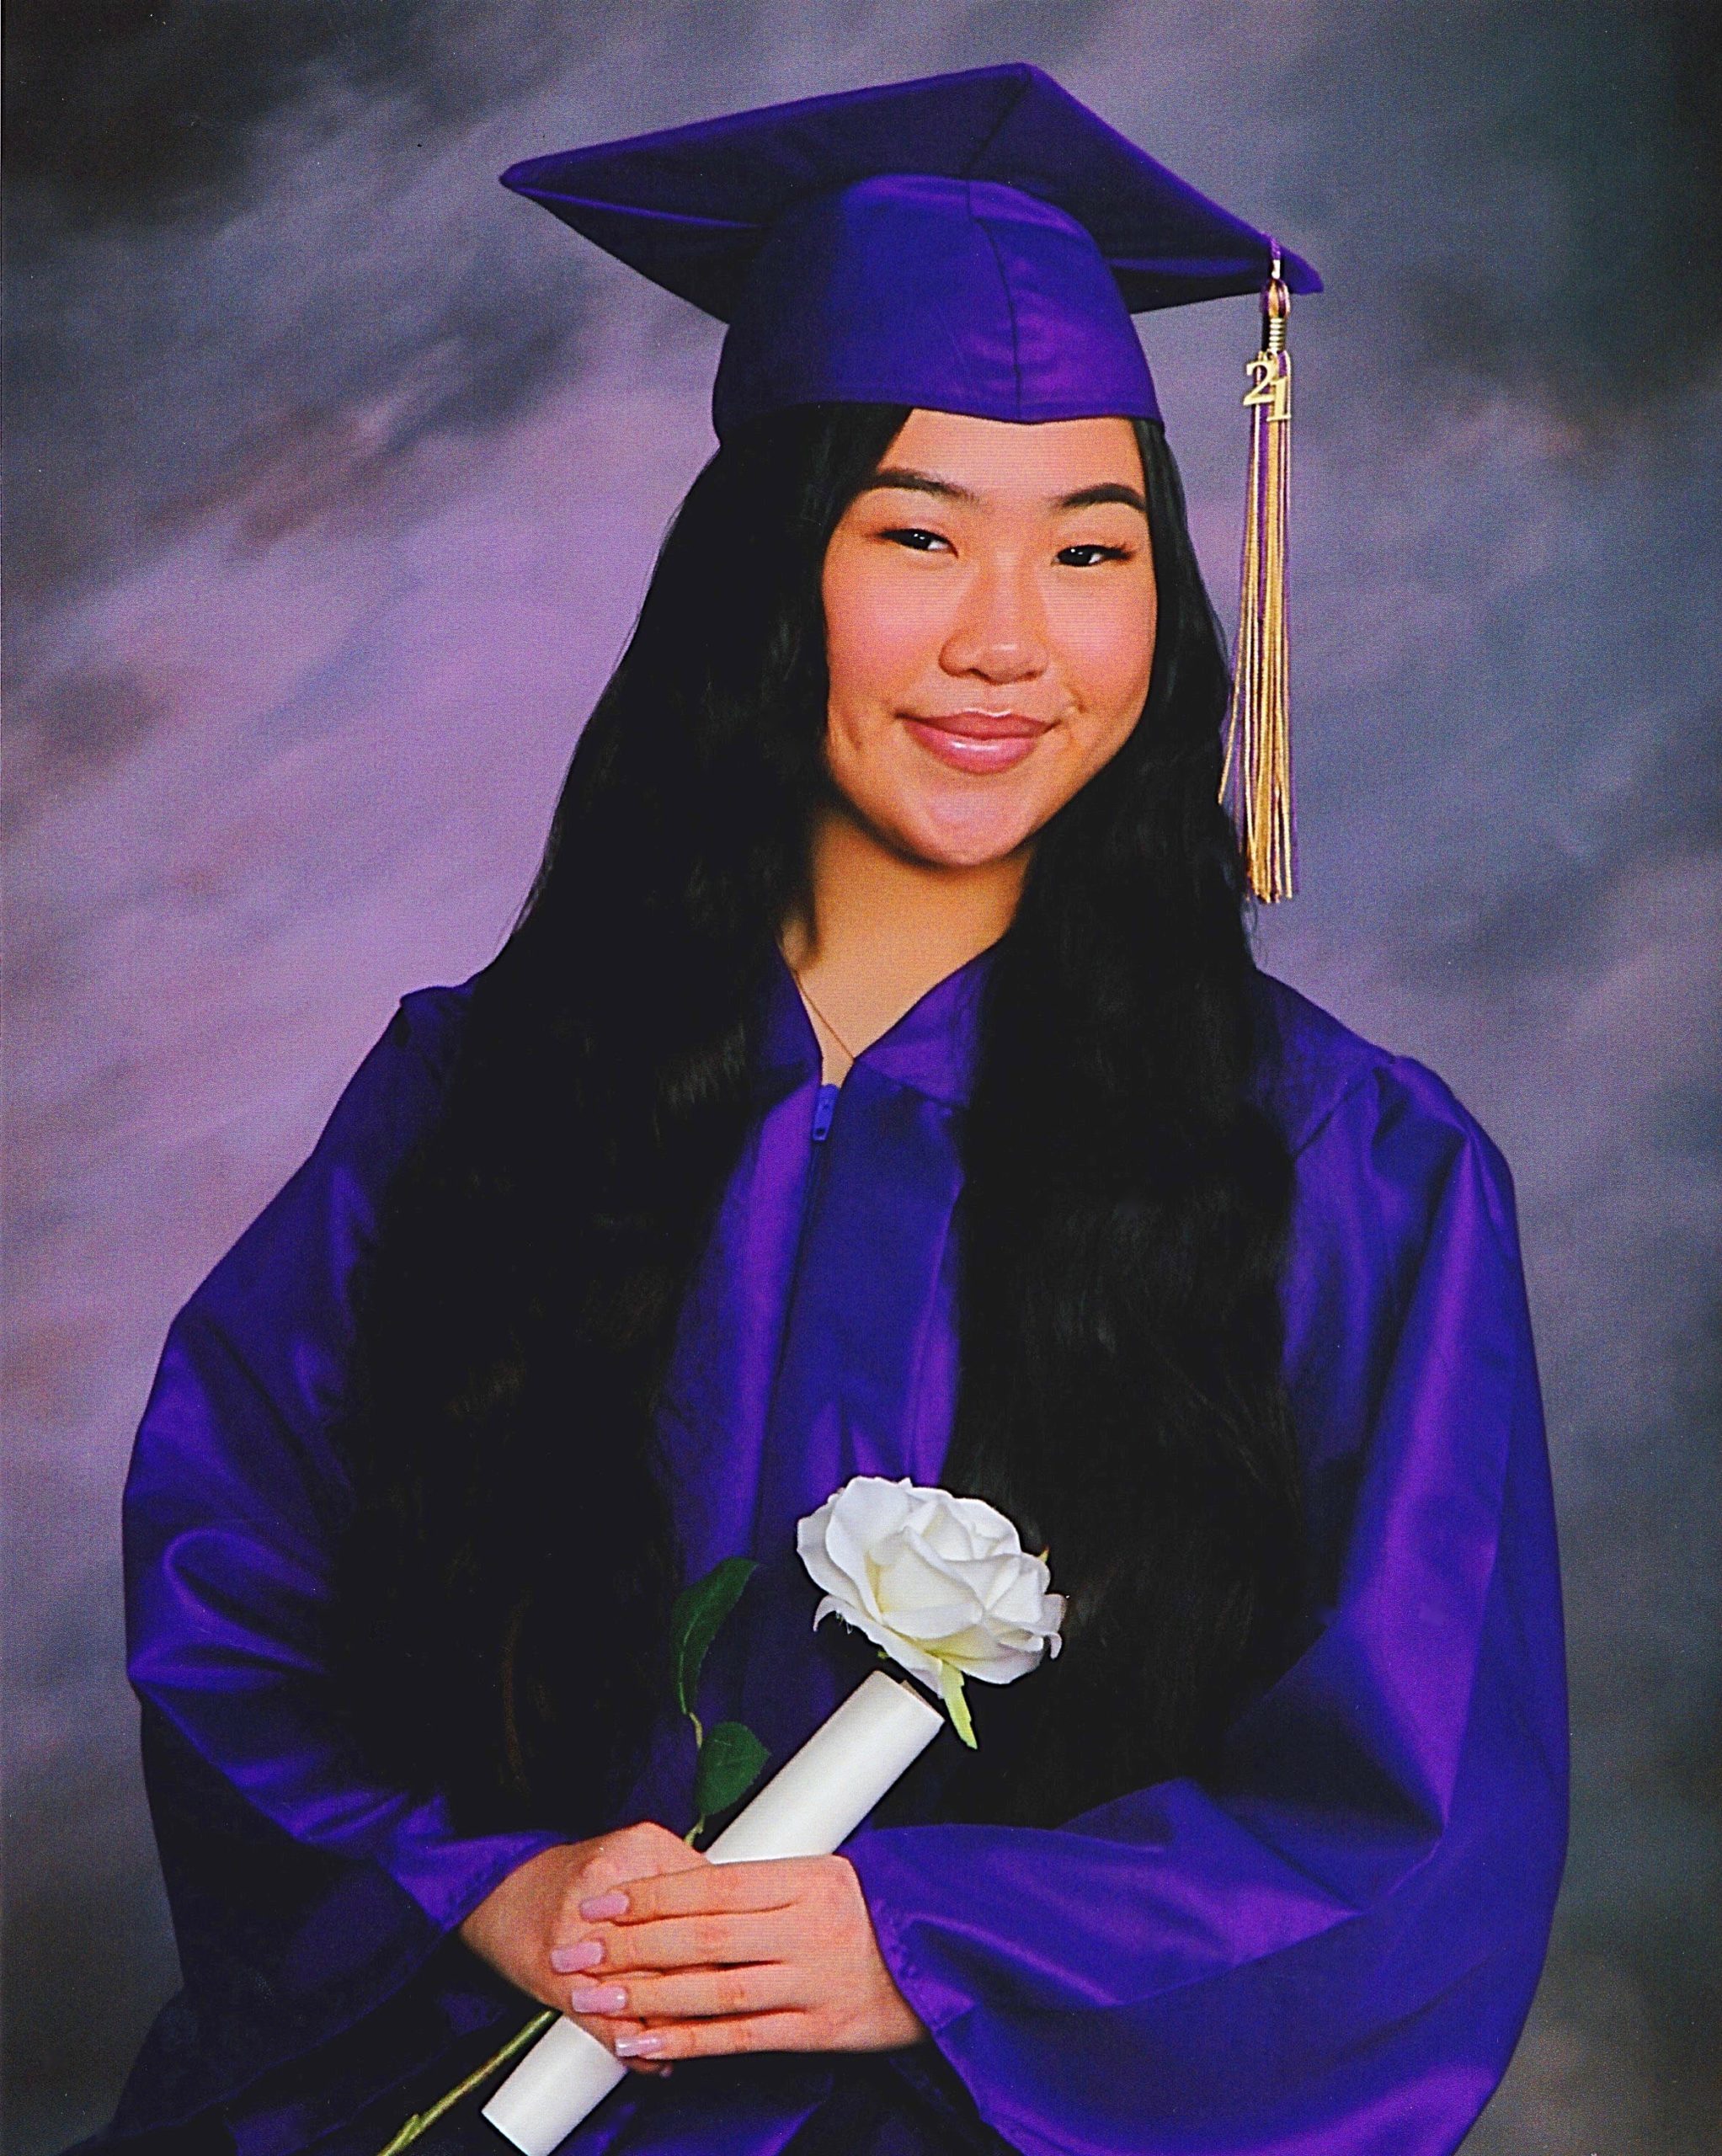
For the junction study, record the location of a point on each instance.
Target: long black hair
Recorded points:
(1122, 1217)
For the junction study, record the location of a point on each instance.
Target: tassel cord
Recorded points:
(1256, 780)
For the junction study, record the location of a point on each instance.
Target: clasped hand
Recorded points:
(663, 1954)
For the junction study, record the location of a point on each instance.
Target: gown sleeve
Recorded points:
(304, 1893)
(1332, 1945)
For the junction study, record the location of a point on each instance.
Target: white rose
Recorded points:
(942, 1583)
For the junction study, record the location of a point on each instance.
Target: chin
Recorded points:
(965, 835)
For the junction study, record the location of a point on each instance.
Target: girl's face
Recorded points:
(989, 623)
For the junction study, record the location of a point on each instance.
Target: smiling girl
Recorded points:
(878, 1081)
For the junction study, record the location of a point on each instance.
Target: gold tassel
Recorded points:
(1256, 782)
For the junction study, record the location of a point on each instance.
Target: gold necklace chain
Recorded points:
(819, 1013)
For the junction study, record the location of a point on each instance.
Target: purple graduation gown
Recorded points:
(1330, 1947)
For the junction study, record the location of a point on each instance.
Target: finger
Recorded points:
(763, 2032)
(717, 1994)
(701, 1942)
(600, 1878)
(608, 2032)
(638, 1853)
(662, 1854)
(719, 1886)
(614, 1866)
(643, 1849)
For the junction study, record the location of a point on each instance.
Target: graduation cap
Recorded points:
(973, 242)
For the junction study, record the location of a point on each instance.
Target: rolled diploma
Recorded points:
(811, 1805)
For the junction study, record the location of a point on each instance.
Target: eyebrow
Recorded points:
(902, 477)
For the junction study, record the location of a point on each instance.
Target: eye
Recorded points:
(915, 538)
(1091, 555)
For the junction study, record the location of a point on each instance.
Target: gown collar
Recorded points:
(932, 1049)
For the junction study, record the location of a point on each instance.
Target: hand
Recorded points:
(743, 1957)
(537, 1910)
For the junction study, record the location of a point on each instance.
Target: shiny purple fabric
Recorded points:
(972, 242)
(1330, 1948)
(963, 296)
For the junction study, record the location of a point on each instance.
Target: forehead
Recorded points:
(1005, 459)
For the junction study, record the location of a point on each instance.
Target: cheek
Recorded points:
(1107, 644)
(882, 629)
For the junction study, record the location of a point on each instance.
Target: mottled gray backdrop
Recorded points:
(335, 476)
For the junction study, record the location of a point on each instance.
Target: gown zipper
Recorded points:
(824, 1107)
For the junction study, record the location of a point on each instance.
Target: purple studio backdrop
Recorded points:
(336, 473)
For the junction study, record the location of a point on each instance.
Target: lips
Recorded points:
(979, 740)
(987, 725)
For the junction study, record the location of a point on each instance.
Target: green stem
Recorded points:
(421, 2120)
(692, 1836)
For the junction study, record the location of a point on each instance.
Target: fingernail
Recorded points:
(563, 1959)
(597, 1999)
(614, 1903)
(638, 2046)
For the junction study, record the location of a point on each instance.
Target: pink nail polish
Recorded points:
(645, 2046)
(597, 1999)
(565, 1958)
(597, 1906)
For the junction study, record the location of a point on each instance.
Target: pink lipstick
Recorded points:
(978, 740)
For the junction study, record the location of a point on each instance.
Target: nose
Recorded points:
(1000, 633)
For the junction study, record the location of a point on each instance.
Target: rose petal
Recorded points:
(990, 1578)
(866, 1511)
(993, 1532)
(810, 1547)
(998, 1666)
(911, 1581)
(1018, 1598)
(905, 1652)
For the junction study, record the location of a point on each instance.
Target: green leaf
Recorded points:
(951, 1692)
(731, 1760)
(700, 1611)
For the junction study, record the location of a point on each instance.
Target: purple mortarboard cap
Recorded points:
(973, 242)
